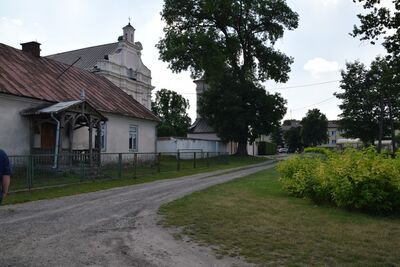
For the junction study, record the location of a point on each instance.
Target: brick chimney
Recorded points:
(32, 47)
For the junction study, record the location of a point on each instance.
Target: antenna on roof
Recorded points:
(83, 95)
(129, 18)
(68, 68)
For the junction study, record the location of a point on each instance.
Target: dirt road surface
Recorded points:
(116, 227)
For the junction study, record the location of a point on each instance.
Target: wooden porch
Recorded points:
(58, 122)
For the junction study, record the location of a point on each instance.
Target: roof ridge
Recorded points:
(75, 50)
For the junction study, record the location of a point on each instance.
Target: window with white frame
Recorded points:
(103, 137)
(133, 137)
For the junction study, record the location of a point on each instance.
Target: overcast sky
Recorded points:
(320, 46)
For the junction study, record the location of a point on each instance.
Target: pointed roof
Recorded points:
(128, 26)
(23, 74)
(200, 126)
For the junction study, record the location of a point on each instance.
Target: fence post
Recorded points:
(29, 172)
(159, 162)
(194, 160)
(82, 168)
(207, 159)
(134, 165)
(178, 161)
(119, 165)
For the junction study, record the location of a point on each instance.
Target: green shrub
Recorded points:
(318, 150)
(301, 177)
(266, 148)
(363, 180)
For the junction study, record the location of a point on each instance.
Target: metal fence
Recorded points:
(37, 171)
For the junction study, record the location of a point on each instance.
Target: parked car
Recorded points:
(283, 150)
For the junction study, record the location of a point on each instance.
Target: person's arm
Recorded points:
(6, 184)
(5, 162)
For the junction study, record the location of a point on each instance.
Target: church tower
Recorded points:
(129, 33)
(201, 86)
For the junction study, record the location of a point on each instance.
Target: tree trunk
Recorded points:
(242, 149)
(380, 135)
(392, 129)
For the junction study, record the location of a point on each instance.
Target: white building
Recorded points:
(48, 107)
(334, 134)
(119, 62)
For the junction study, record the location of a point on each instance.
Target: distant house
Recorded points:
(120, 62)
(50, 107)
(334, 134)
(333, 131)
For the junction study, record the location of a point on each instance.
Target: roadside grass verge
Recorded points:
(102, 184)
(255, 218)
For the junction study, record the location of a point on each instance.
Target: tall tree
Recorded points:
(227, 107)
(380, 22)
(384, 22)
(229, 42)
(359, 109)
(171, 108)
(293, 139)
(388, 93)
(315, 128)
(277, 136)
(370, 107)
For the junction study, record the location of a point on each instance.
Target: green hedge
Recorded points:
(363, 180)
(266, 148)
(317, 150)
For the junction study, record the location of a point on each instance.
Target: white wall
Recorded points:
(15, 140)
(14, 129)
(124, 63)
(205, 136)
(173, 145)
(118, 134)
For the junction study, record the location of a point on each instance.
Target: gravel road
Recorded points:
(116, 227)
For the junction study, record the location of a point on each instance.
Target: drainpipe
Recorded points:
(57, 141)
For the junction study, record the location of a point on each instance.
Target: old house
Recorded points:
(50, 107)
(120, 62)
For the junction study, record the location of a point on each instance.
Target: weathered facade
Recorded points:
(50, 107)
(119, 62)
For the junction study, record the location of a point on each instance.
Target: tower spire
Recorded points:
(129, 32)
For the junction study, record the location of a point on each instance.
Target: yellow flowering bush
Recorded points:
(363, 180)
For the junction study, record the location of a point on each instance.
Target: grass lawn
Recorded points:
(253, 217)
(97, 185)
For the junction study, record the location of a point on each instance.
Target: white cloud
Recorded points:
(325, 3)
(5, 21)
(318, 66)
(329, 2)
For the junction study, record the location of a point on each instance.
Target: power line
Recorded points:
(321, 102)
(288, 87)
(304, 85)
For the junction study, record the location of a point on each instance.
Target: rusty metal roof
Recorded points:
(23, 74)
(89, 56)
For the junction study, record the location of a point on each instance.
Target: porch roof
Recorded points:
(62, 106)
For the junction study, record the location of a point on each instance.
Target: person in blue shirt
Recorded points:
(5, 174)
